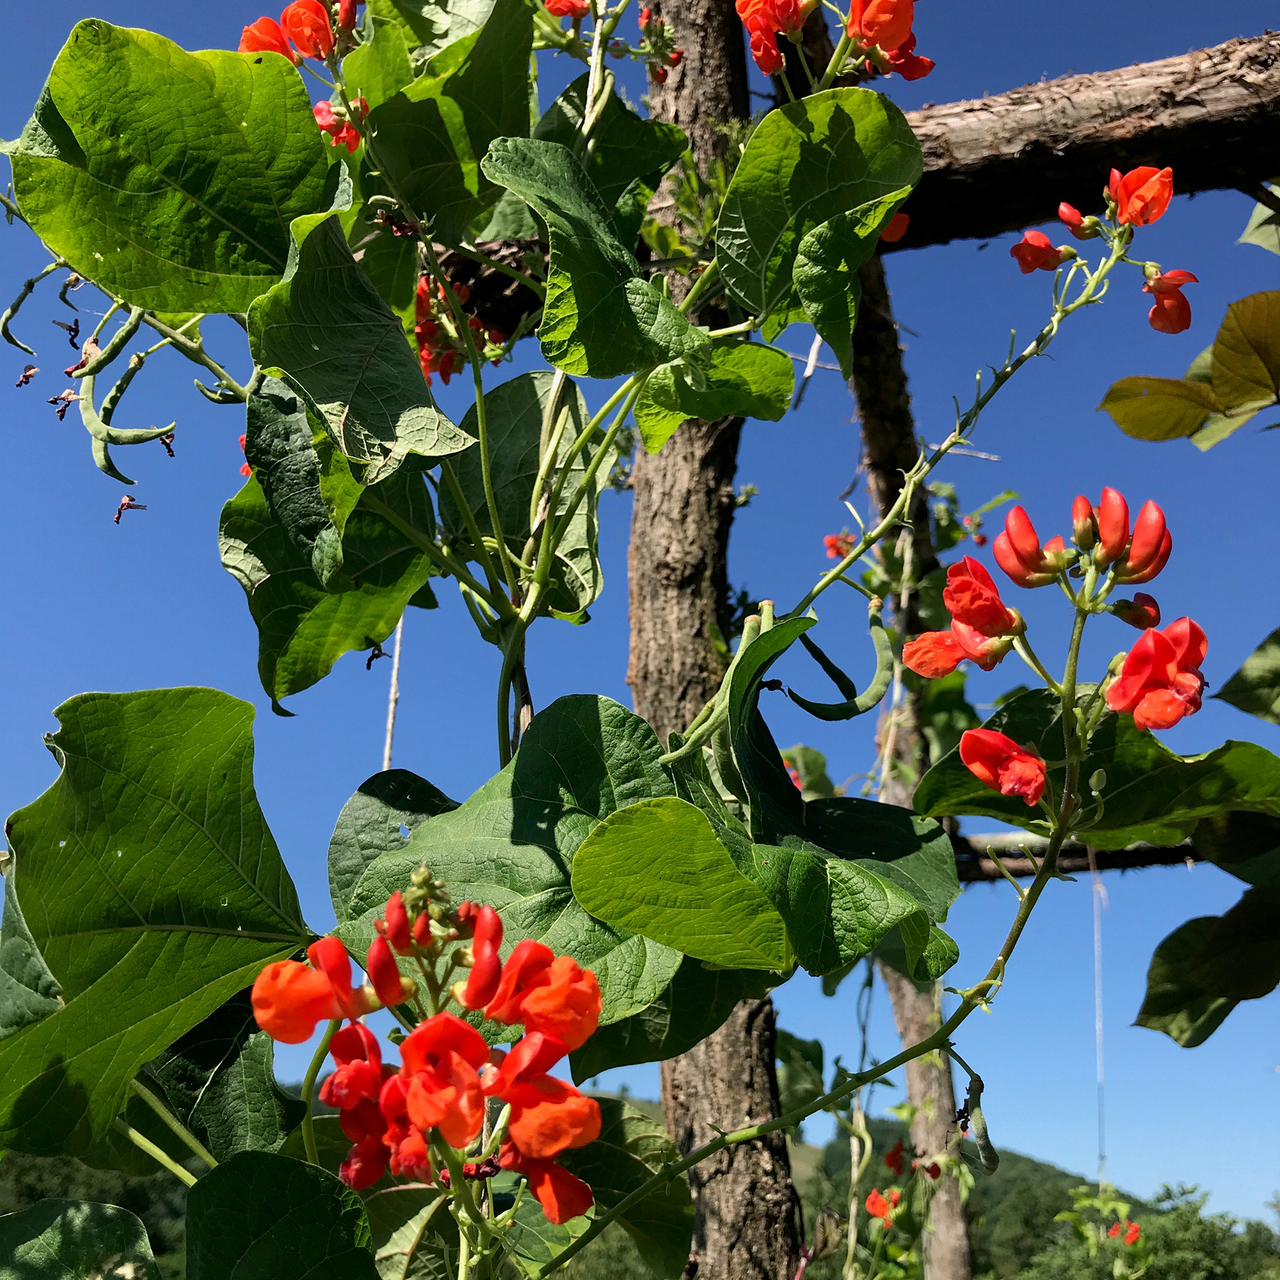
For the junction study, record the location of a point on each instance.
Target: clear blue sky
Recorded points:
(146, 604)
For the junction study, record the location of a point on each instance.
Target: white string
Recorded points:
(393, 698)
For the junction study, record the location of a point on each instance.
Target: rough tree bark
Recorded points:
(746, 1226)
(1004, 162)
(889, 448)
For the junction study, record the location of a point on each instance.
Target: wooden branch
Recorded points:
(1001, 163)
(973, 860)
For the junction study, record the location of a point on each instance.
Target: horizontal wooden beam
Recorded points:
(974, 860)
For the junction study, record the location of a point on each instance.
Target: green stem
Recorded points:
(837, 61)
(176, 1125)
(1028, 655)
(195, 352)
(308, 1091)
(536, 286)
(156, 1153)
(700, 285)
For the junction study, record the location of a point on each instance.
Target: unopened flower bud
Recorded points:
(1113, 528)
(1084, 528)
(1146, 546)
(1097, 780)
(1142, 611)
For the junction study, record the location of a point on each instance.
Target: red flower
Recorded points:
(879, 1207)
(547, 993)
(359, 1074)
(1142, 195)
(1018, 552)
(1160, 681)
(838, 545)
(1115, 1230)
(1035, 252)
(575, 9)
(384, 974)
(1135, 561)
(909, 64)
(1001, 764)
(561, 1195)
(939, 653)
(1070, 217)
(1112, 517)
(394, 926)
(307, 22)
(1084, 523)
(1131, 1235)
(886, 23)
(440, 1063)
(265, 36)
(894, 1159)
(549, 1116)
(486, 971)
(1149, 549)
(289, 998)
(406, 1144)
(933, 1171)
(1171, 312)
(1142, 611)
(972, 598)
(342, 132)
(896, 227)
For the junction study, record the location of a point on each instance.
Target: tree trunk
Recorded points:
(889, 448)
(746, 1225)
(1004, 162)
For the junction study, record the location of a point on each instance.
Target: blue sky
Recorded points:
(146, 604)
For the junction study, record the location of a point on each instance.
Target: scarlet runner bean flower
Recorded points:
(1160, 681)
(575, 9)
(547, 993)
(1081, 227)
(1001, 764)
(1142, 195)
(1106, 530)
(341, 131)
(307, 23)
(896, 227)
(838, 545)
(1115, 1230)
(289, 998)
(762, 18)
(266, 36)
(561, 1195)
(1171, 312)
(894, 1159)
(360, 1073)
(983, 629)
(1036, 252)
(1132, 1233)
(486, 968)
(906, 62)
(1018, 552)
(1142, 611)
(886, 23)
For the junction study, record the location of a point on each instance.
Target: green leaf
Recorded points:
(631, 1148)
(625, 146)
(601, 317)
(514, 414)
(826, 270)
(1246, 353)
(1245, 844)
(1255, 688)
(74, 1240)
(408, 1221)
(302, 628)
(219, 1080)
(799, 1071)
(375, 821)
(808, 162)
(925, 960)
(429, 25)
(512, 845)
(1159, 408)
(1202, 970)
(697, 1002)
(1263, 228)
(154, 805)
(168, 177)
(658, 868)
(329, 330)
(433, 134)
(744, 378)
(1151, 794)
(266, 1217)
(29, 993)
(811, 769)
(379, 68)
(532, 1241)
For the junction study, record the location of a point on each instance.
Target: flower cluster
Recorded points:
(1158, 682)
(657, 47)
(1134, 199)
(335, 121)
(304, 30)
(1131, 1232)
(573, 9)
(882, 1207)
(403, 1119)
(440, 346)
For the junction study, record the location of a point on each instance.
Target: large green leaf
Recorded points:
(28, 991)
(826, 270)
(1150, 794)
(744, 378)
(658, 868)
(409, 1222)
(1263, 228)
(303, 629)
(512, 845)
(329, 330)
(267, 1217)
(631, 1148)
(376, 820)
(74, 1240)
(219, 1080)
(1159, 408)
(433, 134)
(694, 1004)
(170, 178)
(518, 429)
(626, 147)
(1255, 688)
(601, 317)
(429, 25)
(1245, 844)
(1202, 970)
(808, 162)
(154, 808)
(379, 68)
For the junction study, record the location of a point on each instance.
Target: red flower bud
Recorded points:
(1115, 1230)
(644, 19)
(1019, 553)
(896, 227)
(1131, 1235)
(383, 973)
(1001, 764)
(486, 971)
(1142, 611)
(1084, 528)
(1070, 216)
(1148, 537)
(1113, 528)
(659, 74)
(347, 15)
(395, 925)
(1161, 559)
